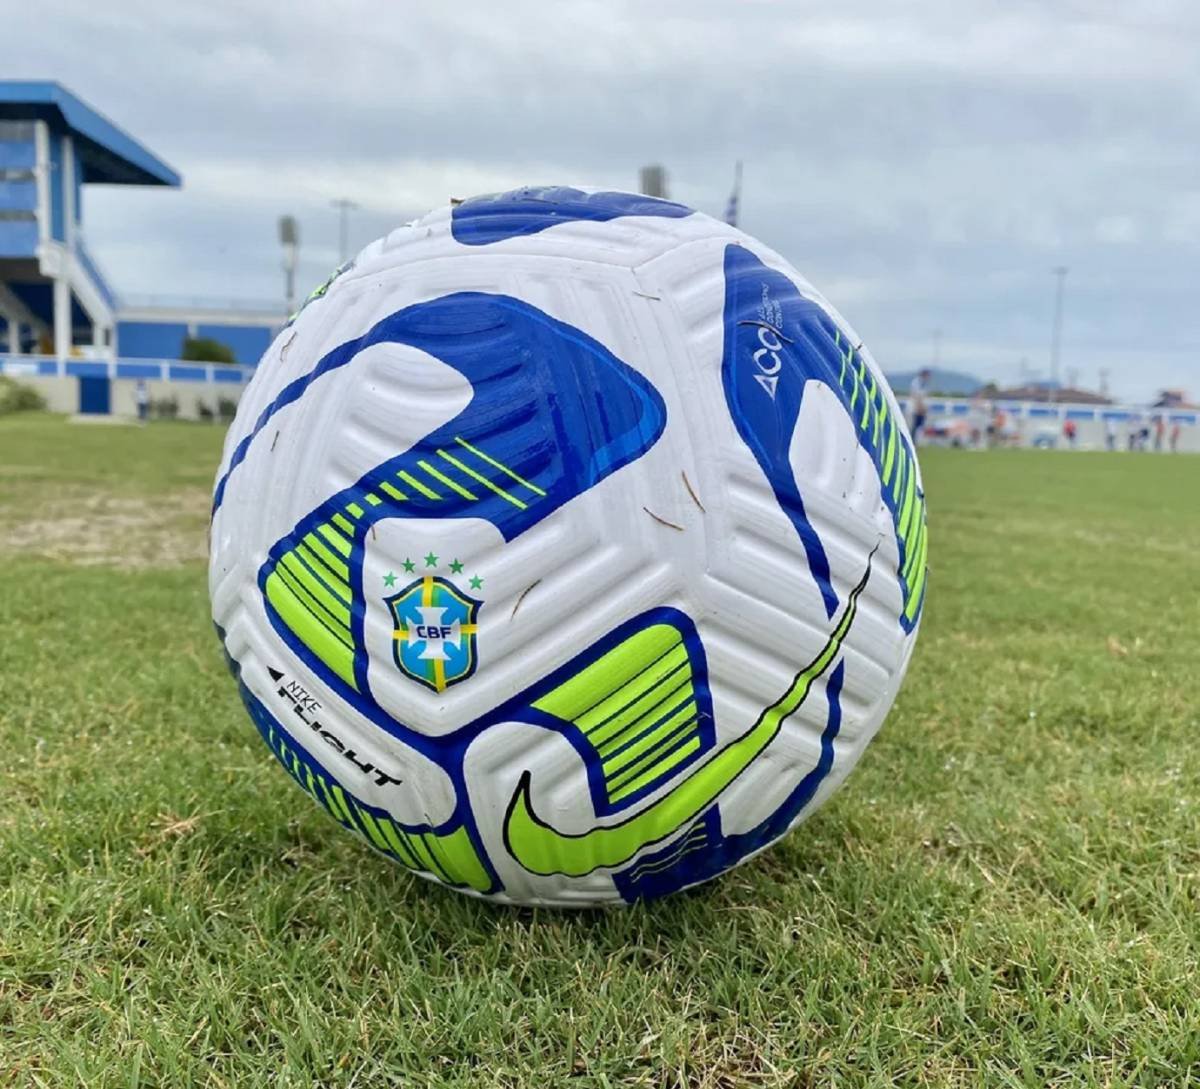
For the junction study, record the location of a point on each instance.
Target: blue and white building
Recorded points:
(59, 316)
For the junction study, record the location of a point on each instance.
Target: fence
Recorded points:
(1050, 414)
(196, 388)
(146, 370)
(193, 391)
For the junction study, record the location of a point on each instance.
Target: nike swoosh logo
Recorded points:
(542, 849)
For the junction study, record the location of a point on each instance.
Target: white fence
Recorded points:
(197, 388)
(146, 370)
(1036, 423)
(175, 388)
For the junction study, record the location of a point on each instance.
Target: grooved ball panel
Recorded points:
(613, 401)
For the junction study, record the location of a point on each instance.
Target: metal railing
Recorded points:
(92, 270)
(147, 370)
(1044, 412)
(224, 374)
(202, 305)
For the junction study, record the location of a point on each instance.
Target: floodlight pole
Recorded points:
(652, 180)
(289, 238)
(1060, 273)
(344, 207)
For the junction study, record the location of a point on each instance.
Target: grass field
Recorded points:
(1005, 893)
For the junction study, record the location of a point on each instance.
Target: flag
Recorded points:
(731, 209)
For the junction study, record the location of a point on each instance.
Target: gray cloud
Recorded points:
(925, 169)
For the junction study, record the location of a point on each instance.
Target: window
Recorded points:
(20, 132)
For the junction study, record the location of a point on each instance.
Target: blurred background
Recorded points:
(1006, 193)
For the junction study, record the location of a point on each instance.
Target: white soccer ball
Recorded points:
(568, 546)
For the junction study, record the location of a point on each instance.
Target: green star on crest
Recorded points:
(431, 560)
(455, 567)
(389, 579)
(476, 582)
(409, 566)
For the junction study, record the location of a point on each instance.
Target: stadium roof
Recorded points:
(109, 155)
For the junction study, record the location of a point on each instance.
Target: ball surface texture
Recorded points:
(568, 547)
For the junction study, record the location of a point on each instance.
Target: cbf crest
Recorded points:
(435, 629)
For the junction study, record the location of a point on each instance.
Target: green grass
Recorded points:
(1005, 892)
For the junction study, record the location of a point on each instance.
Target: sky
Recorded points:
(925, 168)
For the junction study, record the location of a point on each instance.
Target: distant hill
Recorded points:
(1041, 391)
(943, 381)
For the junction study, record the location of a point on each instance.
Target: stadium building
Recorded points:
(61, 322)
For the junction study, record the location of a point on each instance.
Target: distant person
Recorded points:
(997, 427)
(1176, 427)
(1110, 434)
(1160, 431)
(143, 399)
(918, 402)
(977, 421)
(1070, 432)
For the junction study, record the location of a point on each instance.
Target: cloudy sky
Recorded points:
(926, 170)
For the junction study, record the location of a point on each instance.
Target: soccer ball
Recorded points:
(568, 546)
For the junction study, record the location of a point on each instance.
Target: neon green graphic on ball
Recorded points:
(898, 470)
(309, 587)
(542, 849)
(449, 857)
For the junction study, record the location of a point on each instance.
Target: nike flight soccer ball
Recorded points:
(568, 547)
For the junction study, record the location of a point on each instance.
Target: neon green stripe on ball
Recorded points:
(309, 630)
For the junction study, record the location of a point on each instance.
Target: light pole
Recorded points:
(344, 207)
(289, 238)
(652, 180)
(1060, 273)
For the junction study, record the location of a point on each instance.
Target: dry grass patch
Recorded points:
(86, 529)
